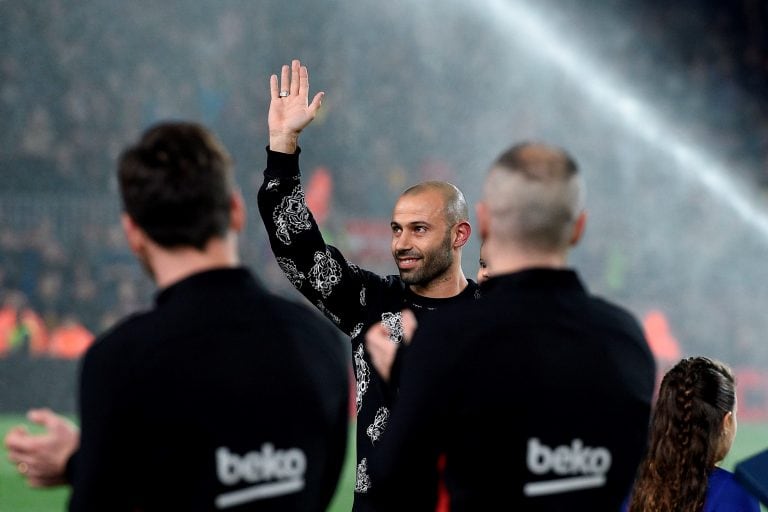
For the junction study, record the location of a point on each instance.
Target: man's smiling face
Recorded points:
(421, 237)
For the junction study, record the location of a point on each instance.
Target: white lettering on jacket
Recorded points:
(273, 473)
(582, 467)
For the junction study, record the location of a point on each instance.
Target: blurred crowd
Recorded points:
(709, 61)
(56, 295)
(79, 81)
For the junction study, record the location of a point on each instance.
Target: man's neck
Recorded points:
(170, 266)
(509, 260)
(445, 286)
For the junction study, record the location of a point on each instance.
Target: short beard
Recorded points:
(436, 263)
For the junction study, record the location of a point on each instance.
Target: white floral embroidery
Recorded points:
(362, 296)
(273, 183)
(333, 318)
(362, 375)
(356, 331)
(362, 481)
(477, 293)
(325, 273)
(393, 322)
(291, 216)
(376, 428)
(291, 272)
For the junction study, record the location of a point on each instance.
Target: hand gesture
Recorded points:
(289, 109)
(380, 347)
(42, 458)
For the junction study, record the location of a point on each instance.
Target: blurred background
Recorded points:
(663, 104)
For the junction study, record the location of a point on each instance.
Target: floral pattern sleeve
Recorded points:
(319, 271)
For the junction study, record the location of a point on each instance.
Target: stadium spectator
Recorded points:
(222, 395)
(22, 331)
(692, 429)
(70, 340)
(540, 396)
(429, 228)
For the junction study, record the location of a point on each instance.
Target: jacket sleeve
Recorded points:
(317, 270)
(101, 477)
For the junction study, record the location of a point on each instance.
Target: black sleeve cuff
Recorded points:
(71, 467)
(282, 164)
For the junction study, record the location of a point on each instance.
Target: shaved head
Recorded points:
(429, 227)
(534, 194)
(454, 205)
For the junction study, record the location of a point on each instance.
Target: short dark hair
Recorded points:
(176, 184)
(538, 161)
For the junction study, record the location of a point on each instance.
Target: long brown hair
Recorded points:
(685, 437)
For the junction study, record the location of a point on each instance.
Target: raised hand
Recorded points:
(289, 109)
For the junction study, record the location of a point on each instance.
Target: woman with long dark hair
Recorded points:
(692, 429)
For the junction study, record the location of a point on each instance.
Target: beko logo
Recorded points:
(581, 467)
(274, 473)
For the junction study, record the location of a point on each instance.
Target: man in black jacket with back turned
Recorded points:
(220, 397)
(538, 395)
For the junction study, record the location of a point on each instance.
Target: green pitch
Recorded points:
(15, 496)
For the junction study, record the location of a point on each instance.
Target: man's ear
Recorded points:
(133, 234)
(483, 219)
(578, 228)
(237, 212)
(463, 230)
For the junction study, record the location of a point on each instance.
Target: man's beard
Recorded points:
(434, 263)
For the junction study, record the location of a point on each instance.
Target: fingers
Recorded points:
(285, 78)
(409, 325)
(15, 433)
(44, 417)
(17, 440)
(380, 349)
(273, 89)
(317, 101)
(23, 461)
(32, 471)
(303, 81)
(37, 474)
(295, 80)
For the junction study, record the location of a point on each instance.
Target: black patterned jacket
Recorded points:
(351, 297)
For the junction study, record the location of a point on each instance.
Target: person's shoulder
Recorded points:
(292, 312)
(724, 492)
(299, 321)
(720, 478)
(627, 335)
(615, 314)
(120, 346)
(612, 309)
(460, 320)
(124, 332)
